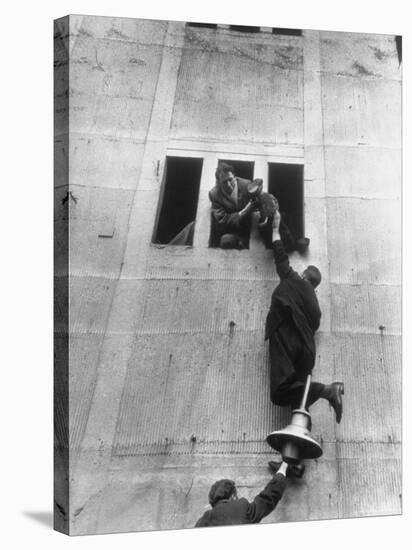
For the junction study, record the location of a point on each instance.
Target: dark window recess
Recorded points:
(178, 202)
(288, 32)
(243, 28)
(286, 183)
(204, 25)
(242, 169)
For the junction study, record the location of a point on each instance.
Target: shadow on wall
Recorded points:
(398, 41)
(44, 518)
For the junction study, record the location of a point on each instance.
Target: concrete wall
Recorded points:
(168, 367)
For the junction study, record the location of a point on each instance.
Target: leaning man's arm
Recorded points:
(225, 218)
(266, 501)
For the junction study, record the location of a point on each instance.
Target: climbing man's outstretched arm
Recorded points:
(283, 267)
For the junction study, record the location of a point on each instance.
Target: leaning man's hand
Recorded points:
(246, 209)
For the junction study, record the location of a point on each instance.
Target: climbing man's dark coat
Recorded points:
(291, 323)
(241, 511)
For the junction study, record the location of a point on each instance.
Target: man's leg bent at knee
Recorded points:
(291, 393)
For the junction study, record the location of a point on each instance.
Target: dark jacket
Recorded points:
(238, 512)
(225, 213)
(224, 209)
(293, 298)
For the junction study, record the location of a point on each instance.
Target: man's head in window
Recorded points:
(225, 177)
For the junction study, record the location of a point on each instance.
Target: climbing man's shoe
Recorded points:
(335, 399)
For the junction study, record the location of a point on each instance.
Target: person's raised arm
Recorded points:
(283, 267)
(267, 499)
(275, 226)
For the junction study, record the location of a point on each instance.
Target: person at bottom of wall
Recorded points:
(291, 323)
(228, 509)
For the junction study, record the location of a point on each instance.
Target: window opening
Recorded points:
(205, 25)
(244, 28)
(288, 32)
(286, 184)
(243, 168)
(178, 202)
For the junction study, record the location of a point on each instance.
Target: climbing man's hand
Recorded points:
(276, 220)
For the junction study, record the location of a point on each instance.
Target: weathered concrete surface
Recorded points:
(220, 77)
(61, 466)
(361, 102)
(168, 490)
(169, 370)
